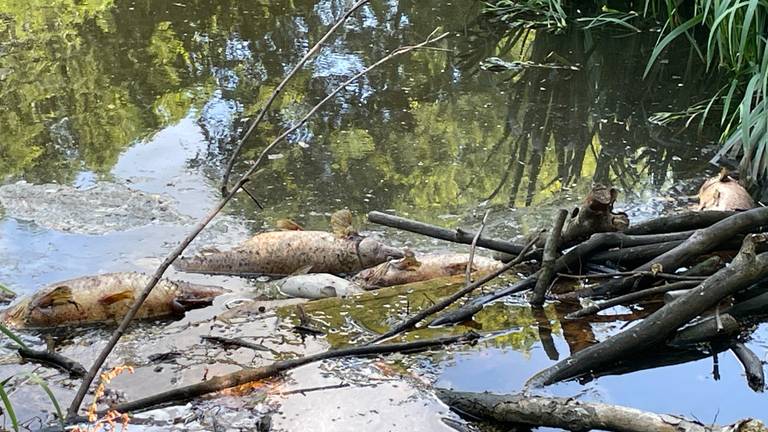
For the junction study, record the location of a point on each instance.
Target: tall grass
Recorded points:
(730, 36)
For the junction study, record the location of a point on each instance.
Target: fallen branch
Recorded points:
(255, 123)
(49, 358)
(630, 298)
(753, 367)
(456, 236)
(634, 254)
(747, 268)
(701, 242)
(679, 222)
(576, 415)
(551, 252)
(118, 333)
(411, 322)
(183, 394)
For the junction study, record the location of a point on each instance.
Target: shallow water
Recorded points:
(149, 95)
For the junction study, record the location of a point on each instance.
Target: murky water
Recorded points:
(149, 96)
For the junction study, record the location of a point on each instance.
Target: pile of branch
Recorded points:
(681, 256)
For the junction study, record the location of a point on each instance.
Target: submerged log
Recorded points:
(747, 268)
(576, 415)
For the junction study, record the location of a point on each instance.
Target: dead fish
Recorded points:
(410, 269)
(317, 285)
(105, 298)
(723, 192)
(285, 252)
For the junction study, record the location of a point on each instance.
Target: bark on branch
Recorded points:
(576, 415)
(746, 269)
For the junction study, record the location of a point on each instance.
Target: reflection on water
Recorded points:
(152, 94)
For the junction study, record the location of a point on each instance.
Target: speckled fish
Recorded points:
(410, 269)
(105, 298)
(723, 192)
(317, 285)
(285, 252)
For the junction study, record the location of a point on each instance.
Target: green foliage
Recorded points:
(727, 35)
(12, 336)
(8, 406)
(36, 379)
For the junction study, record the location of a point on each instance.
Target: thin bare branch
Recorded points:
(277, 91)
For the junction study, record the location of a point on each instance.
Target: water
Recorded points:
(149, 96)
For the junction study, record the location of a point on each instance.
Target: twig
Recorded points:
(277, 91)
(118, 333)
(75, 369)
(313, 389)
(551, 248)
(237, 342)
(631, 297)
(669, 276)
(447, 301)
(472, 247)
(234, 379)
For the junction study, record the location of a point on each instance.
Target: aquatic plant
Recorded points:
(727, 36)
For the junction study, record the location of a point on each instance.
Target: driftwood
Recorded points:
(182, 394)
(244, 178)
(551, 252)
(456, 236)
(747, 268)
(49, 358)
(576, 415)
(701, 242)
(753, 367)
(629, 298)
(411, 322)
(679, 222)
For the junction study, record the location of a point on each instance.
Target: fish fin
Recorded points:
(341, 224)
(58, 296)
(409, 261)
(116, 297)
(288, 225)
(302, 270)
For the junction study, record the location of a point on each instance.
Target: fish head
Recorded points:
(192, 296)
(373, 252)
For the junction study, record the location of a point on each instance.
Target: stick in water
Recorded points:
(472, 247)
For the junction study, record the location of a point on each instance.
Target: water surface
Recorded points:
(151, 96)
